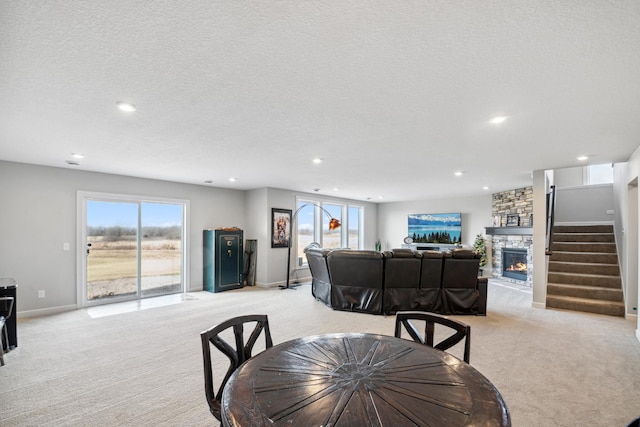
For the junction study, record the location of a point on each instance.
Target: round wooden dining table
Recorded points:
(355, 379)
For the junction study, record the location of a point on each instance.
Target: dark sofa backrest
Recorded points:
(431, 274)
(461, 267)
(317, 260)
(402, 269)
(356, 268)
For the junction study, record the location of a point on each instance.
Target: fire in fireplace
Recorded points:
(514, 263)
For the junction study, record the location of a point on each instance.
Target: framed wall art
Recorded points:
(513, 220)
(280, 227)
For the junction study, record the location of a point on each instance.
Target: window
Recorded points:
(332, 238)
(354, 227)
(599, 174)
(313, 226)
(131, 247)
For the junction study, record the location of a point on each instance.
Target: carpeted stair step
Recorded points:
(610, 308)
(587, 292)
(583, 237)
(583, 229)
(604, 247)
(588, 257)
(597, 280)
(584, 268)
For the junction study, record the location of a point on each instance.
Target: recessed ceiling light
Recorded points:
(125, 106)
(458, 173)
(485, 188)
(336, 189)
(77, 155)
(582, 158)
(317, 160)
(497, 120)
(380, 197)
(232, 179)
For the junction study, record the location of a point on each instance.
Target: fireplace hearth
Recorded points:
(514, 263)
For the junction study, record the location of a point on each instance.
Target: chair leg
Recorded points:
(4, 343)
(6, 337)
(2, 346)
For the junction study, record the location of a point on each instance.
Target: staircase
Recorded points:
(583, 270)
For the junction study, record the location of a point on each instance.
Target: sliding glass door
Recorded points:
(161, 249)
(132, 248)
(111, 250)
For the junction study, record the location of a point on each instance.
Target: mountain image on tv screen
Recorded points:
(445, 228)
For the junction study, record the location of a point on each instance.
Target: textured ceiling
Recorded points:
(393, 95)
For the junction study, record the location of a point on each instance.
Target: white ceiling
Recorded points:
(393, 95)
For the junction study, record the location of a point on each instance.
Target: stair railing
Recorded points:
(551, 210)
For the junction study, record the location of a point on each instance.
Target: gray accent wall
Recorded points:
(39, 214)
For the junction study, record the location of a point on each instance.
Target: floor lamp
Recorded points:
(333, 224)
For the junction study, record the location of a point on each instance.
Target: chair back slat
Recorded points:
(460, 330)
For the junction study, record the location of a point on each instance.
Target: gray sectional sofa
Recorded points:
(402, 279)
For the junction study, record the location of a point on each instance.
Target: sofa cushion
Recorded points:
(356, 280)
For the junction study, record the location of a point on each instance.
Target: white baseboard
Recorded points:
(45, 311)
(538, 305)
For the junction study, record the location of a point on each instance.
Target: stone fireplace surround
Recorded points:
(501, 241)
(513, 202)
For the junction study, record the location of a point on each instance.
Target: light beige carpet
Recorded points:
(144, 367)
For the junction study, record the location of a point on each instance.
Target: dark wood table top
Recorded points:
(359, 380)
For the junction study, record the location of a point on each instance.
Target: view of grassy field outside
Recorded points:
(112, 257)
(329, 241)
(112, 268)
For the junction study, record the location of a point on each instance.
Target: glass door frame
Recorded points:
(81, 239)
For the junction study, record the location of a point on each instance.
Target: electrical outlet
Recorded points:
(609, 211)
(65, 246)
(40, 294)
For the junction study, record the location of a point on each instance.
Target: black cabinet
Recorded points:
(8, 288)
(223, 260)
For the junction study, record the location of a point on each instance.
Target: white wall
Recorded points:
(542, 181)
(257, 229)
(568, 177)
(393, 217)
(38, 215)
(584, 204)
(633, 171)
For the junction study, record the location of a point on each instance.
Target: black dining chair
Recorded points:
(634, 423)
(461, 330)
(6, 309)
(237, 352)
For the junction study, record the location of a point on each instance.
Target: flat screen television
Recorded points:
(443, 228)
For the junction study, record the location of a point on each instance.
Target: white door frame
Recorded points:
(81, 238)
